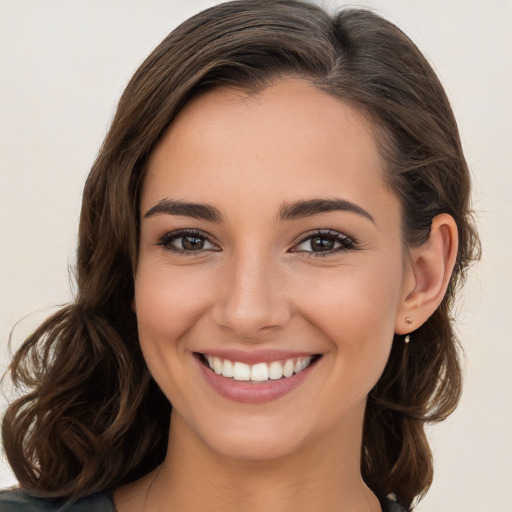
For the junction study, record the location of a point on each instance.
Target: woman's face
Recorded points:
(269, 241)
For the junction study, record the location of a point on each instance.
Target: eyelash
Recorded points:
(346, 243)
(166, 240)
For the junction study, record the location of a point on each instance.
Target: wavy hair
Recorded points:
(91, 417)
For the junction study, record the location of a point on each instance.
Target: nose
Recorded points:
(251, 300)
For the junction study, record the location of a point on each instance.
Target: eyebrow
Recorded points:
(311, 207)
(194, 210)
(287, 211)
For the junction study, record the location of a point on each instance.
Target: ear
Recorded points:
(428, 273)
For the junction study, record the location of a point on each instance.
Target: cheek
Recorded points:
(355, 309)
(167, 303)
(361, 300)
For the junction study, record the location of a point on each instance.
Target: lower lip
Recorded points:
(253, 392)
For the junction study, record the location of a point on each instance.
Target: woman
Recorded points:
(270, 241)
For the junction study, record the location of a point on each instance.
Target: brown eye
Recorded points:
(190, 243)
(324, 243)
(186, 242)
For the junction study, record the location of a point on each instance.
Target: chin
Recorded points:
(254, 445)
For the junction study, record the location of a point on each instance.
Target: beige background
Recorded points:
(63, 66)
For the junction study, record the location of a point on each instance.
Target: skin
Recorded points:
(257, 284)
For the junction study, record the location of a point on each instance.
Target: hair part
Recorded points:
(92, 417)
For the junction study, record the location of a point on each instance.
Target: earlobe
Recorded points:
(431, 267)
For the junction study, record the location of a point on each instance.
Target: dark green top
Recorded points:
(20, 501)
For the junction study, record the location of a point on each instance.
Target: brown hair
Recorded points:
(92, 417)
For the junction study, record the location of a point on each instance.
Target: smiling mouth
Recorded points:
(259, 372)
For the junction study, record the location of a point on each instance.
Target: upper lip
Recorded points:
(255, 356)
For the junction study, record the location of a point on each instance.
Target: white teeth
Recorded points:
(217, 365)
(241, 371)
(259, 372)
(275, 370)
(227, 368)
(288, 368)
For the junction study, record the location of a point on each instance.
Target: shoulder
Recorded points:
(21, 501)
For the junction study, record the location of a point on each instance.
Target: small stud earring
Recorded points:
(408, 319)
(407, 338)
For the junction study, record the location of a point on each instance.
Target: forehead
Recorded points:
(288, 142)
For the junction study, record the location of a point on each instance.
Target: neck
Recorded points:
(323, 476)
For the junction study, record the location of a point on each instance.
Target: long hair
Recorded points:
(91, 416)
